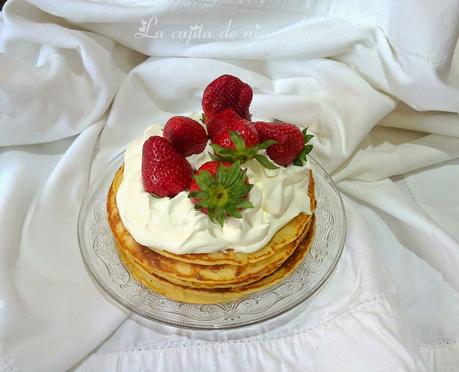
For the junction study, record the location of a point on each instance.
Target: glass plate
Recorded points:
(98, 249)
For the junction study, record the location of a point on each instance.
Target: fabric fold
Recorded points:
(80, 79)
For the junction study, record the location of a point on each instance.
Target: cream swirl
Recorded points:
(174, 225)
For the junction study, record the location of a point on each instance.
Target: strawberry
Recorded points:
(245, 128)
(237, 139)
(219, 121)
(220, 189)
(186, 135)
(165, 171)
(227, 91)
(291, 144)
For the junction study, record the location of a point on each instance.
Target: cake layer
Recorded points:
(237, 275)
(217, 276)
(218, 295)
(161, 264)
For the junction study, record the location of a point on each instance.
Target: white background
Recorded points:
(375, 81)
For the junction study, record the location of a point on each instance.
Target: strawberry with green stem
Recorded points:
(219, 122)
(233, 148)
(292, 144)
(237, 139)
(220, 189)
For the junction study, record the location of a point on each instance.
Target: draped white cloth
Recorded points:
(378, 85)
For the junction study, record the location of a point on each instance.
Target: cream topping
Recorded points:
(174, 225)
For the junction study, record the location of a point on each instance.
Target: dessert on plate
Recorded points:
(210, 209)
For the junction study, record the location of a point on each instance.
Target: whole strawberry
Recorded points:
(291, 146)
(219, 121)
(243, 127)
(185, 134)
(165, 171)
(237, 139)
(220, 189)
(227, 91)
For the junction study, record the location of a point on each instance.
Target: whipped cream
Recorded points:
(174, 225)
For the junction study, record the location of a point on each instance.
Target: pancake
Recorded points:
(238, 275)
(207, 275)
(213, 277)
(219, 295)
(287, 234)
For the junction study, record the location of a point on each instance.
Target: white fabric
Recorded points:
(80, 79)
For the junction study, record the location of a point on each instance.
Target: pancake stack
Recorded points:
(209, 278)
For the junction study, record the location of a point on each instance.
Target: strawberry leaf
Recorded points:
(298, 162)
(307, 138)
(301, 159)
(204, 180)
(245, 204)
(241, 153)
(263, 160)
(202, 204)
(196, 194)
(222, 194)
(307, 149)
(237, 139)
(264, 145)
(214, 157)
(234, 213)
